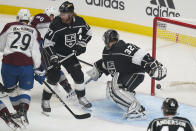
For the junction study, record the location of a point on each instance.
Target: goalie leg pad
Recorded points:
(124, 99)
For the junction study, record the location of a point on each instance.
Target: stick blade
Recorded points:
(83, 116)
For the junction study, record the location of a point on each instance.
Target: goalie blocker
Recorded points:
(131, 63)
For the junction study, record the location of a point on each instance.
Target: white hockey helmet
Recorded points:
(23, 14)
(50, 11)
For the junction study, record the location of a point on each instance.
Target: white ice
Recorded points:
(181, 64)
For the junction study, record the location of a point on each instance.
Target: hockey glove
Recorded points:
(54, 60)
(7, 90)
(157, 71)
(94, 73)
(80, 48)
(39, 75)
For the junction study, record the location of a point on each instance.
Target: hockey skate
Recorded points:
(135, 115)
(21, 116)
(10, 122)
(46, 109)
(84, 102)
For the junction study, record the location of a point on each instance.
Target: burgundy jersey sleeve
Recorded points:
(7, 26)
(40, 20)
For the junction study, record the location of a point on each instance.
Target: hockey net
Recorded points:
(174, 45)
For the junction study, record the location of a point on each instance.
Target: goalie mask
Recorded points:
(110, 36)
(170, 106)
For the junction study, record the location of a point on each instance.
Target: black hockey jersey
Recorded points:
(122, 58)
(170, 124)
(63, 38)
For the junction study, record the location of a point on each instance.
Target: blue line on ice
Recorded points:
(107, 110)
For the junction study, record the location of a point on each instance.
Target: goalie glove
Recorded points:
(94, 73)
(157, 70)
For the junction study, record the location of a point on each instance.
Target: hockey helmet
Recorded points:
(110, 36)
(50, 11)
(170, 105)
(23, 14)
(66, 7)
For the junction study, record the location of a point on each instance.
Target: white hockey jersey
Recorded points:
(20, 45)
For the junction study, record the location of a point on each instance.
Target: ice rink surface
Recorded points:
(179, 59)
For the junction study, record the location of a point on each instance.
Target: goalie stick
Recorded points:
(82, 116)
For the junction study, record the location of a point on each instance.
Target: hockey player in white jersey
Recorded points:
(19, 44)
(127, 64)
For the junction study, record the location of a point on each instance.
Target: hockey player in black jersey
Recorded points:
(41, 22)
(170, 122)
(66, 39)
(127, 64)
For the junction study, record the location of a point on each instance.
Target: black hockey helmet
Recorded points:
(66, 7)
(170, 106)
(110, 36)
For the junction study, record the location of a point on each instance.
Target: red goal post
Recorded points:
(175, 37)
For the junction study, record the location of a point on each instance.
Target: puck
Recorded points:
(158, 86)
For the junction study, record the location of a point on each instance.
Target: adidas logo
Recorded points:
(115, 4)
(162, 8)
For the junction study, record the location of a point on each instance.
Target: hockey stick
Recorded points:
(89, 80)
(83, 116)
(84, 62)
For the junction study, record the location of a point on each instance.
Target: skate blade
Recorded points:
(129, 118)
(45, 113)
(24, 123)
(86, 109)
(12, 127)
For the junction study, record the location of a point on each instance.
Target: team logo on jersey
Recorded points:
(70, 40)
(111, 67)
